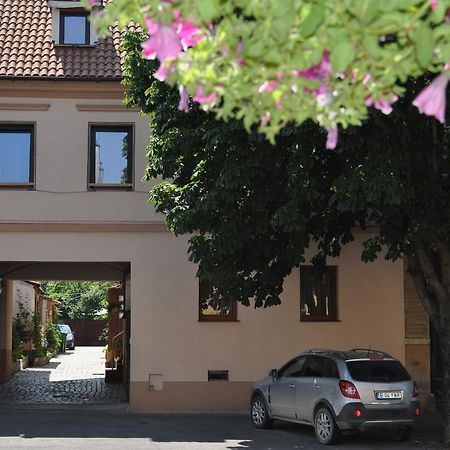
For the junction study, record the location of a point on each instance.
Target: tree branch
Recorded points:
(433, 281)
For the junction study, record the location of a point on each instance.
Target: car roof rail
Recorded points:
(371, 350)
(326, 351)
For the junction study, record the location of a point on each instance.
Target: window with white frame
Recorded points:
(71, 24)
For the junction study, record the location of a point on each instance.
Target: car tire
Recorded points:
(402, 434)
(327, 432)
(259, 413)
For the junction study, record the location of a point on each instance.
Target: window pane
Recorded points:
(377, 371)
(212, 308)
(331, 369)
(111, 157)
(75, 30)
(15, 148)
(294, 369)
(318, 293)
(315, 367)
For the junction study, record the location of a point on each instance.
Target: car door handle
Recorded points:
(316, 386)
(292, 386)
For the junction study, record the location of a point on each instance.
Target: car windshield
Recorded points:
(65, 329)
(377, 370)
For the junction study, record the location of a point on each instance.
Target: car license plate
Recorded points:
(391, 395)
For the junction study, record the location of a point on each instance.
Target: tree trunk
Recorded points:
(433, 287)
(444, 337)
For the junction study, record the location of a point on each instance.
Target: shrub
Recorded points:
(53, 336)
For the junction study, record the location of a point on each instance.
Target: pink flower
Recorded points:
(319, 71)
(268, 86)
(164, 43)
(189, 33)
(240, 59)
(152, 27)
(92, 2)
(383, 105)
(161, 73)
(332, 137)
(432, 99)
(265, 118)
(201, 97)
(434, 4)
(184, 99)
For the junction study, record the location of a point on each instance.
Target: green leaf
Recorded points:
(342, 56)
(313, 21)
(366, 10)
(424, 40)
(208, 9)
(281, 27)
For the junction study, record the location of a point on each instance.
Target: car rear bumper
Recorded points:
(376, 417)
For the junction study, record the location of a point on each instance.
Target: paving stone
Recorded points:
(74, 377)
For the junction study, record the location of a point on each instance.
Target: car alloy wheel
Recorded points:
(259, 413)
(325, 427)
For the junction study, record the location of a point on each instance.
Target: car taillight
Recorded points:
(348, 389)
(415, 393)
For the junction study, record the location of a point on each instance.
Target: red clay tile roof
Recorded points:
(27, 48)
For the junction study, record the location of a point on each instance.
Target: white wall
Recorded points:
(62, 167)
(166, 336)
(23, 293)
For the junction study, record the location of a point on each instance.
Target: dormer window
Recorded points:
(74, 28)
(70, 23)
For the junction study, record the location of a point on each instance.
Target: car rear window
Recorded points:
(377, 370)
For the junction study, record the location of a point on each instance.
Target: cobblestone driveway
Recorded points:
(75, 377)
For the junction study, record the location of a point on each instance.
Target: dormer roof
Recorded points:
(28, 49)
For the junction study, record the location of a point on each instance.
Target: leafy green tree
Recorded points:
(79, 299)
(53, 337)
(255, 207)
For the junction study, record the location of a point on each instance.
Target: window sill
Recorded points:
(319, 320)
(76, 45)
(217, 321)
(102, 186)
(29, 186)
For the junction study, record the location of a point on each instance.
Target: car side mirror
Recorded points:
(273, 373)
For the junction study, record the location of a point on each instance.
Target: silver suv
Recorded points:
(338, 391)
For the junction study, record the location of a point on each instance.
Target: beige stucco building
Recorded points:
(64, 220)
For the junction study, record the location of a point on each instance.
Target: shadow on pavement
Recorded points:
(222, 431)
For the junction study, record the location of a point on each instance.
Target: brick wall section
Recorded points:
(417, 339)
(416, 319)
(87, 331)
